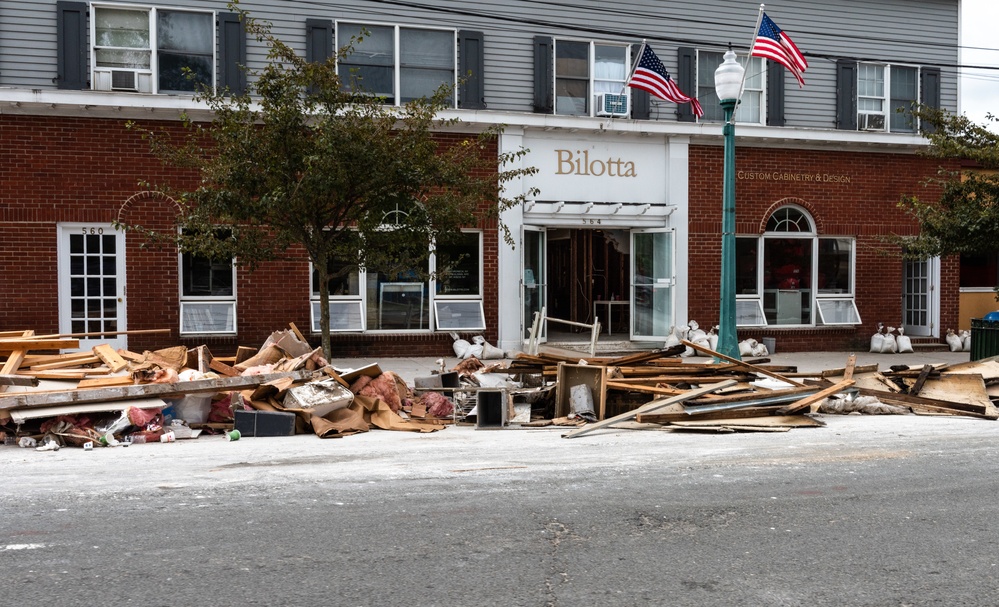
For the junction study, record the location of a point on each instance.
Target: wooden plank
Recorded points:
(244, 353)
(677, 413)
(222, 369)
(786, 421)
(100, 333)
(14, 360)
(68, 363)
(105, 382)
(11, 344)
(17, 380)
(914, 391)
(806, 402)
(646, 408)
(851, 364)
(111, 358)
(224, 384)
(44, 359)
(907, 400)
(298, 334)
(65, 373)
(738, 362)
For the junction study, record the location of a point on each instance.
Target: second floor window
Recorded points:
(882, 91)
(751, 109)
(151, 50)
(583, 71)
(398, 63)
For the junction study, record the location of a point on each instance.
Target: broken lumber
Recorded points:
(649, 407)
(806, 402)
(224, 384)
(736, 361)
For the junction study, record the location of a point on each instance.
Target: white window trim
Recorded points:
(153, 70)
(397, 67)
(815, 296)
(886, 98)
(191, 301)
(591, 73)
(436, 299)
(763, 91)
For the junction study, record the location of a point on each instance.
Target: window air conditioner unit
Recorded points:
(122, 80)
(871, 122)
(609, 104)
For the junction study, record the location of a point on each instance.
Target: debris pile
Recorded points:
(106, 397)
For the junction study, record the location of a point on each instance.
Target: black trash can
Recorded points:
(984, 338)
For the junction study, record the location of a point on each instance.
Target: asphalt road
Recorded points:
(867, 511)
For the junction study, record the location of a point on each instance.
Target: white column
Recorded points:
(509, 262)
(677, 193)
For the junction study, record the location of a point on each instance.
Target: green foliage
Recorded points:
(965, 219)
(300, 159)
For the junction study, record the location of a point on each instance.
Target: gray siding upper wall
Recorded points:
(916, 32)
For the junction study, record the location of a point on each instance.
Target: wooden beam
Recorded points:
(14, 360)
(851, 365)
(914, 391)
(735, 361)
(224, 384)
(17, 380)
(100, 333)
(647, 408)
(22, 343)
(68, 363)
(112, 359)
(105, 382)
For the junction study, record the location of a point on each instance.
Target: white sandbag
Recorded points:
(713, 338)
(889, 345)
(746, 346)
(461, 347)
(673, 339)
(965, 340)
(490, 351)
(877, 341)
(760, 350)
(954, 341)
(473, 351)
(903, 342)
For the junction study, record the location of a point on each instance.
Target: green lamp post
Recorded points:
(728, 86)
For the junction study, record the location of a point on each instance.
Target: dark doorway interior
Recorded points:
(586, 265)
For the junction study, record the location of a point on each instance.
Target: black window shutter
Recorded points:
(929, 86)
(929, 91)
(686, 79)
(640, 106)
(775, 94)
(318, 40)
(232, 53)
(71, 35)
(544, 80)
(846, 95)
(471, 68)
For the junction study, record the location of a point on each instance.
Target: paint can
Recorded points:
(232, 435)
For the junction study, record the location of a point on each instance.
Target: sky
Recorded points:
(979, 89)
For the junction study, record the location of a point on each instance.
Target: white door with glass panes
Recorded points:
(91, 266)
(918, 295)
(533, 282)
(652, 282)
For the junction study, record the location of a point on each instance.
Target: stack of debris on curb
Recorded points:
(105, 397)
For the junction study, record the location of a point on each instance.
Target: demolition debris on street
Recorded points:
(116, 398)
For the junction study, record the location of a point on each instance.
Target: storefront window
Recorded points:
(800, 278)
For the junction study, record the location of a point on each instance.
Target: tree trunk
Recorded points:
(321, 263)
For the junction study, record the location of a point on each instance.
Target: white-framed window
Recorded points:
(883, 90)
(447, 297)
(398, 63)
(792, 276)
(752, 109)
(587, 74)
(151, 50)
(207, 295)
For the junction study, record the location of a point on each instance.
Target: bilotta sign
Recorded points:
(597, 170)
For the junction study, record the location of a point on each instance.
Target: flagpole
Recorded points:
(749, 59)
(634, 66)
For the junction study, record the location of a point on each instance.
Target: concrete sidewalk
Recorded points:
(412, 367)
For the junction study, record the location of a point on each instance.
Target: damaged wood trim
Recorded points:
(225, 384)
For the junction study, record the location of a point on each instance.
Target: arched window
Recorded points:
(792, 276)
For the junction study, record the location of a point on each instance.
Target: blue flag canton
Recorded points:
(769, 29)
(650, 61)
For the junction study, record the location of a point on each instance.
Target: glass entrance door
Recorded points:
(92, 283)
(652, 282)
(917, 300)
(533, 283)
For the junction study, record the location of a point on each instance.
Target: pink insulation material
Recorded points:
(437, 404)
(384, 387)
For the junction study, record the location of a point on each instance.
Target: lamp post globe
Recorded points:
(728, 85)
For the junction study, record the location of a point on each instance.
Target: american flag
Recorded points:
(650, 75)
(774, 44)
